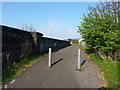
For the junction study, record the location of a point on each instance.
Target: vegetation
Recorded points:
(27, 27)
(100, 30)
(74, 41)
(17, 68)
(82, 68)
(109, 68)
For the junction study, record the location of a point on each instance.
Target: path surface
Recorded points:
(63, 74)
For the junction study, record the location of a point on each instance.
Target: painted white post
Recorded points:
(50, 58)
(78, 59)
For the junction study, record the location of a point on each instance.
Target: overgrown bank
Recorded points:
(109, 68)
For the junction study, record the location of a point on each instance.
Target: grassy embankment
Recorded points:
(109, 69)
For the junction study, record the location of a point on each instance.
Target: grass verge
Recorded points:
(109, 68)
(17, 68)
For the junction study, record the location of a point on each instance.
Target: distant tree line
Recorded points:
(74, 41)
(100, 29)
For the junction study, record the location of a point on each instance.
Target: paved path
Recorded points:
(63, 74)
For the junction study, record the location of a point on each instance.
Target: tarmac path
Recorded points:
(62, 74)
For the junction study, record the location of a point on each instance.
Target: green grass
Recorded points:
(81, 68)
(17, 68)
(75, 42)
(82, 47)
(110, 69)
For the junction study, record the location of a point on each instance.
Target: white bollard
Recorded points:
(50, 58)
(78, 59)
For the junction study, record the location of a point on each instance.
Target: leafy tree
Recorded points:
(100, 28)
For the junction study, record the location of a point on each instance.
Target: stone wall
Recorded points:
(18, 43)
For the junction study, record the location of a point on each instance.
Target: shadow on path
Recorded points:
(57, 61)
(83, 62)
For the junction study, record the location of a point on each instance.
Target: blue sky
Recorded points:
(60, 18)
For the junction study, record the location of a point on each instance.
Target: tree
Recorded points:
(27, 28)
(100, 28)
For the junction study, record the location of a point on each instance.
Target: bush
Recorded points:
(89, 50)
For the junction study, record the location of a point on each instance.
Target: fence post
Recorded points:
(50, 57)
(78, 59)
